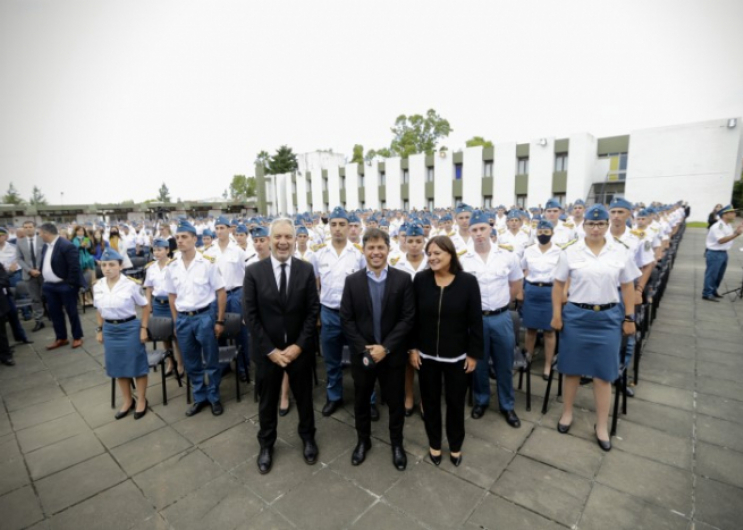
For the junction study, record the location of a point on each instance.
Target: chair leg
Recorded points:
(177, 375)
(113, 393)
(165, 387)
(624, 392)
(528, 386)
(547, 392)
(559, 385)
(615, 416)
(521, 377)
(237, 381)
(188, 390)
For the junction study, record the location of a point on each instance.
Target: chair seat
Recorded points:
(155, 357)
(227, 353)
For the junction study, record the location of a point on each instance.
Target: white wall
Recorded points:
(581, 162)
(334, 187)
(504, 174)
(443, 173)
(316, 185)
(541, 167)
(302, 205)
(352, 187)
(472, 176)
(696, 162)
(393, 172)
(283, 193)
(319, 160)
(371, 186)
(417, 182)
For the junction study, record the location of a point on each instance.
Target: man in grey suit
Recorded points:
(29, 259)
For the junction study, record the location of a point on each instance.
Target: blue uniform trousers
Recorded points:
(200, 354)
(499, 343)
(62, 296)
(717, 262)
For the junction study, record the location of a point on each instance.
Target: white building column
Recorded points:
(417, 181)
(316, 184)
(393, 173)
(541, 168)
(302, 205)
(581, 161)
(352, 187)
(371, 186)
(504, 174)
(443, 173)
(472, 176)
(334, 187)
(282, 188)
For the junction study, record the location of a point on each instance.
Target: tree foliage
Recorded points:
(283, 161)
(381, 153)
(358, 154)
(242, 188)
(12, 196)
(418, 134)
(37, 198)
(263, 159)
(476, 141)
(163, 194)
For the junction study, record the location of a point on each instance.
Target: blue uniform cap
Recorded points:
(552, 203)
(160, 242)
(384, 222)
(338, 213)
(479, 217)
(222, 220)
(353, 218)
(620, 203)
(462, 208)
(234, 222)
(301, 230)
(446, 217)
(579, 202)
(209, 232)
(259, 231)
(536, 217)
(185, 226)
(534, 209)
(501, 207)
(513, 214)
(544, 224)
(111, 255)
(726, 209)
(241, 229)
(426, 221)
(597, 212)
(414, 230)
(563, 217)
(645, 212)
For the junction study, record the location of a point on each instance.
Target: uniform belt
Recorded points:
(331, 309)
(233, 290)
(121, 321)
(194, 312)
(596, 307)
(161, 300)
(540, 284)
(710, 250)
(495, 312)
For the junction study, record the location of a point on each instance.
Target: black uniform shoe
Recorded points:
(310, 452)
(331, 406)
(39, 325)
(359, 453)
(25, 340)
(718, 295)
(122, 413)
(478, 411)
(399, 458)
(563, 429)
(511, 418)
(265, 460)
(196, 408)
(409, 412)
(436, 459)
(604, 445)
(244, 377)
(217, 408)
(374, 412)
(8, 361)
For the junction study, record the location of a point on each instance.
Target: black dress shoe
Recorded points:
(122, 413)
(563, 429)
(399, 458)
(630, 391)
(8, 361)
(718, 295)
(373, 412)
(604, 445)
(511, 418)
(196, 408)
(435, 459)
(39, 325)
(409, 412)
(25, 341)
(456, 460)
(331, 406)
(265, 460)
(478, 411)
(359, 453)
(217, 408)
(138, 415)
(284, 412)
(310, 452)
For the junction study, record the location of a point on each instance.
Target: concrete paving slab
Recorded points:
(496, 512)
(654, 444)
(63, 454)
(20, 509)
(126, 429)
(233, 447)
(568, 453)
(382, 515)
(720, 407)
(718, 504)
(720, 432)
(43, 412)
(205, 425)
(148, 450)
(720, 387)
(720, 464)
(13, 472)
(51, 432)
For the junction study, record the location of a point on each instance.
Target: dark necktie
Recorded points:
(33, 251)
(282, 285)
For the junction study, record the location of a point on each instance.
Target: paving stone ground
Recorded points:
(677, 461)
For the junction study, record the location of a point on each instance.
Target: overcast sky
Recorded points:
(104, 100)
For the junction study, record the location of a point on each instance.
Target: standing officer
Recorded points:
(260, 245)
(193, 283)
(332, 263)
(719, 240)
(562, 234)
(462, 239)
(499, 274)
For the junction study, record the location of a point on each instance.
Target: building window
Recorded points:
(522, 165)
(405, 176)
(429, 174)
(521, 201)
(617, 166)
(325, 184)
(561, 162)
(487, 202)
(457, 171)
(560, 198)
(406, 205)
(361, 181)
(343, 183)
(382, 179)
(430, 204)
(457, 201)
(487, 168)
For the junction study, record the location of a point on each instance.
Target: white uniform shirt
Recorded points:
(332, 270)
(562, 234)
(494, 275)
(8, 255)
(196, 286)
(231, 263)
(579, 230)
(500, 221)
(119, 302)
(404, 265)
(594, 279)
(540, 266)
(716, 232)
(640, 249)
(46, 267)
(460, 244)
(155, 278)
(517, 241)
(307, 256)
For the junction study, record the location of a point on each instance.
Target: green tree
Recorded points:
(358, 154)
(418, 134)
(242, 187)
(163, 194)
(37, 198)
(12, 196)
(476, 141)
(283, 161)
(381, 153)
(263, 159)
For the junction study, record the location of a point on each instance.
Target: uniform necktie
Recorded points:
(33, 251)
(282, 284)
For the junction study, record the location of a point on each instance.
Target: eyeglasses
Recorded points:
(595, 224)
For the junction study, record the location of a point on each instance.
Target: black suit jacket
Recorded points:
(65, 262)
(4, 286)
(273, 324)
(398, 314)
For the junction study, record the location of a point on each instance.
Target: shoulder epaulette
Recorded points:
(501, 230)
(526, 229)
(135, 280)
(462, 252)
(621, 242)
(358, 247)
(637, 232)
(451, 234)
(509, 248)
(394, 261)
(317, 247)
(211, 259)
(250, 257)
(150, 263)
(566, 245)
(569, 225)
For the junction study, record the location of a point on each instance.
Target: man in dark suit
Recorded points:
(281, 307)
(377, 314)
(60, 268)
(29, 251)
(6, 354)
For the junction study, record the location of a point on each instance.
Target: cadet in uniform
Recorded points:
(719, 240)
(499, 274)
(303, 251)
(514, 234)
(260, 245)
(462, 239)
(562, 234)
(193, 282)
(579, 210)
(592, 322)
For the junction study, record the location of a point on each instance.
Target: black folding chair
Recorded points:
(552, 373)
(620, 386)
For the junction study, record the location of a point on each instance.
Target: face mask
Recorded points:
(544, 239)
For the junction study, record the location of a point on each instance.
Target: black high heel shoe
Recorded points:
(604, 445)
(122, 413)
(435, 459)
(138, 415)
(456, 460)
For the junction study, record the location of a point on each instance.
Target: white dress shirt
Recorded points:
(332, 269)
(276, 264)
(562, 234)
(8, 255)
(119, 302)
(716, 232)
(404, 265)
(231, 263)
(155, 278)
(46, 270)
(494, 275)
(540, 266)
(640, 249)
(196, 286)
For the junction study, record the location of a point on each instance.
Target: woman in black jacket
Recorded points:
(447, 341)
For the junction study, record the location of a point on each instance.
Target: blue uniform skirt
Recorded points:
(125, 355)
(161, 307)
(537, 308)
(590, 342)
